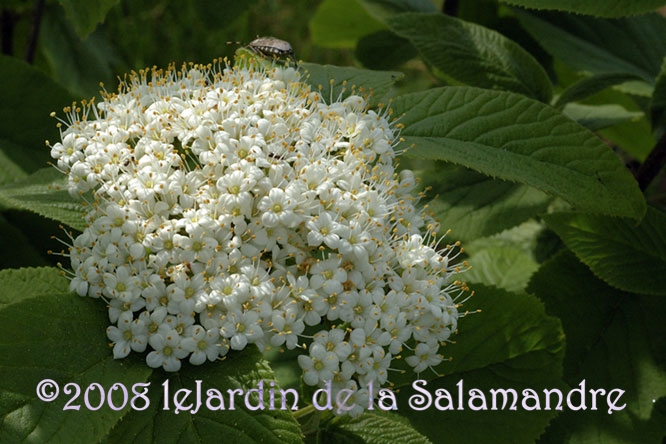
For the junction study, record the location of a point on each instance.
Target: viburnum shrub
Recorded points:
(230, 206)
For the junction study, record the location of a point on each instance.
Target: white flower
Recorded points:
(424, 357)
(334, 341)
(204, 344)
(241, 328)
(232, 206)
(287, 327)
(329, 276)
(277, 208)
(167, 350)
(121, 336)
(320, 366)
(122, 285)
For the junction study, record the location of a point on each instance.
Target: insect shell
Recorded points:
(271, 47)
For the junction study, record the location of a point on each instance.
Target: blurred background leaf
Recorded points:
(601, 8)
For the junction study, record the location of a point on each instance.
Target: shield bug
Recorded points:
(271, 47)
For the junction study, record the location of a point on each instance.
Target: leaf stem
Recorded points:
(7, 31)
(305, 411)
(654, 162)
(31, 47)
(450, 8)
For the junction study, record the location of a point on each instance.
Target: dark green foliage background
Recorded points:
(536, 125)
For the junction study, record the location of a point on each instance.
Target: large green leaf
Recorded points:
(371, 428)
(48, 333)
(17, 285)
(510, 344)
(601, 8)
(473, 205)
(239, 425)
(336, 82)
(52, 334)
(469, 54)
(382, 9)
(28, 98)
(44, 193)
(86, 15)
(514, 138)
(625, 255)
(340, 23)
(632, 46)
(614, 341)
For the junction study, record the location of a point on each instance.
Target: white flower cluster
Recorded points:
(231, 206)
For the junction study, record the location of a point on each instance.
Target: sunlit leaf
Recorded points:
(600, 8)
(469, 54)
(514, 138)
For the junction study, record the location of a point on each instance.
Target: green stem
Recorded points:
(305, 411)
(654, 162)
(31, 47)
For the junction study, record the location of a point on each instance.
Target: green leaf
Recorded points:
(506, 260)
(614, 341)
(243, 371)
(509, 327)
(638, 88)
(45, 193)
(383, 9)
(384, 50)
(514, 138)
(625, 255)
(473, 205)
(601, 8)
(17, 285)
(28, 98)
(57, 336)
(339, 82)
(78, 65)
(48, 333)
(374, 428)
(633, 136)
(340, 23)
(524, 237)
(590, 86)
(634, 45)
(9, 171)
(469, 54)
(510, 344)
(86, 15)
(509, 268)
(596, 117)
